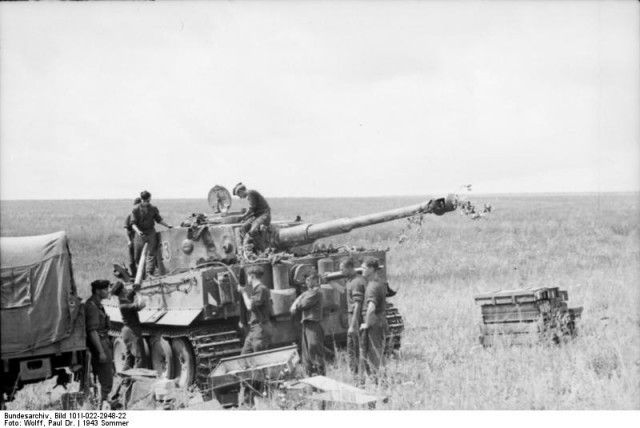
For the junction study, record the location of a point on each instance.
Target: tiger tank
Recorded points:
(194, 315)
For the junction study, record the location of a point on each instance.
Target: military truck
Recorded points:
(194, 314)
(42, 318)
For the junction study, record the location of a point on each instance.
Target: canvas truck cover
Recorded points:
(39, 297)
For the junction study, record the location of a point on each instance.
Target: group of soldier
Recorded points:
(366, 299)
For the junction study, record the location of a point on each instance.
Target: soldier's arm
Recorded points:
(369, 317)
(309, 299)
(246, 298)
(357, 316)
(95, 340)
(159, 219)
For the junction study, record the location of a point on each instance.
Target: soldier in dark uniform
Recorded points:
(355, 287)
(99, 343)
(131, 329)
(258, 303)
(312, 339)
(143, 219)
(374, 328)
(131, 234)
(258, 213)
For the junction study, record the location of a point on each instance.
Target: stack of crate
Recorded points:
(526, 315)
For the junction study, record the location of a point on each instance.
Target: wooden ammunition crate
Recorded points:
(526, 315)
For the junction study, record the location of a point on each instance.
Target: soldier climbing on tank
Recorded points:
(131, 234)
(374, 328)
(309, 304)
(259, 306)
(258, 214)
(355, 288)
(143, 219)
(129, 306)
(99, 344)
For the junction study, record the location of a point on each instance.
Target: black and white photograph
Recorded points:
(340, 207)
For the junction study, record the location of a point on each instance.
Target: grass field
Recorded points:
(586, 244)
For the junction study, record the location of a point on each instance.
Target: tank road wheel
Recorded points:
(184, 362)
(119, 354)
(161, 357)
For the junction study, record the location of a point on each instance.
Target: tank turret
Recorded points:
(217, 237)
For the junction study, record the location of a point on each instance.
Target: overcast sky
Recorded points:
(102, 100)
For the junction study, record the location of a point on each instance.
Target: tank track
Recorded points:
(396, 327)
(208, 344)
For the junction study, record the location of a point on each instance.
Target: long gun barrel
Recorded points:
(308, 233)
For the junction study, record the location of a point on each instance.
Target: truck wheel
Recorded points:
(119, 354)
(184, 363)
(162, 357)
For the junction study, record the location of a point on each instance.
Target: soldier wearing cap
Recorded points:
(258, 213)
(144, 217)
(374, 328)
(309, 304)
(131, 234)
(355, 288)
(131, 329)
(99, 344)
(258, 303)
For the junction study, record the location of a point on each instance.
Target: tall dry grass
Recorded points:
(586, 244)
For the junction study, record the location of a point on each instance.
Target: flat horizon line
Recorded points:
(584, 193)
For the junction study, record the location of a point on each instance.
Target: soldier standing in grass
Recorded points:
(258, 213)
(131, 234)
(131, 329)
(97, 325)
(144, 217)
(312, 340)
(356, 285)
(259, 306)
(374, 328)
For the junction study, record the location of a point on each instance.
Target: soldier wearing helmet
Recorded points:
(258, 213)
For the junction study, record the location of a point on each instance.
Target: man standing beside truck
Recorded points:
(99, 343)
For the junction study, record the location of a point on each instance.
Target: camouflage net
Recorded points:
(466, 207)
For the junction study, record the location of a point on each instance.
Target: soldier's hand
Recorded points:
(102, 358)
(142, 304)
(363, 326)
(129, 243)
(350, 332)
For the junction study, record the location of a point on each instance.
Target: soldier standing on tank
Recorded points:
(355, 288)
(99, 343)
(259, 306)
(144, 217)
(131, 234)
(258, 213)
(374, 328)
(131, 329)
(312, 338)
